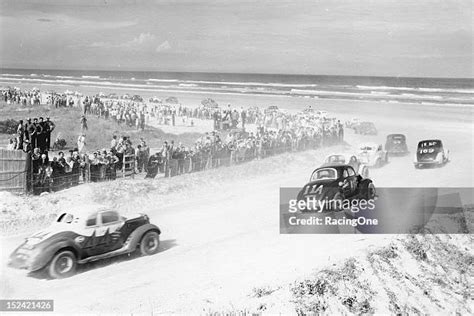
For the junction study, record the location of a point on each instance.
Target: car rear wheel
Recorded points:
(63, 265)
(150, 243)
(370, 191)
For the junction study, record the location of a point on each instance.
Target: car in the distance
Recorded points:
(352, 122)
(365, 128)
(372, 155)
(86, 234)
(396, 145)
(431, 153)
(347, 159)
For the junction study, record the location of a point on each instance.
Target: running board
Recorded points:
(114, 253)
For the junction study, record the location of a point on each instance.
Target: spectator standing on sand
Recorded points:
(243, 116)
(41, 137)
(20, 131)
(84, 123)
(113, 143)
(50, 128)
(25, 129)
(81, 143)
(38, 135)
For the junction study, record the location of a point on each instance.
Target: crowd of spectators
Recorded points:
(23, 97)
(229, 143)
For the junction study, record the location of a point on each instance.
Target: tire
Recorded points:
(150, 243)
(368, 191)
(63, 265)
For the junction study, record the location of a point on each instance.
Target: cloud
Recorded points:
(163, 47)
(141, 40)
(144, 42)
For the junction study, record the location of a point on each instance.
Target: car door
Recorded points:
(346, 183)
(88, 238)
(108, 232)
(352, 179)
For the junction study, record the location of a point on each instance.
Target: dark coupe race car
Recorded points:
(431, 153)
(336, 183)
(365, 128)
(78, 237)
(396, 144)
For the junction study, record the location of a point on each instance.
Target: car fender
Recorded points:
(135, 237)
(363, 185)
(49, 251)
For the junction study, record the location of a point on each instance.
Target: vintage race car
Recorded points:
(365, 128)
(396, 144)
(353, 122)
(347, 159)
(334, 184)
(79, 236)
(372, 155)
(431, 153)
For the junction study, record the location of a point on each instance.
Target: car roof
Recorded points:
(430, 140)
(395, 135)
(346, 156)
(338, 167)
(85, 210)
(368, 144)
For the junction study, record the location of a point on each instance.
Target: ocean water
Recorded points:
(384, 89)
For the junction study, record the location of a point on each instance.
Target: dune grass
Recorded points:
(100, 131)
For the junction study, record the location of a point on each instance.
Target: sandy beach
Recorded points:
(217, 245)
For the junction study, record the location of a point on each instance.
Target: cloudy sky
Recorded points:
(421, 38)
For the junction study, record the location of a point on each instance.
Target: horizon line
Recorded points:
(233, 73)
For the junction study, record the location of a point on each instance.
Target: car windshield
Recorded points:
(430, 144)
(324, 174)
(336, 159)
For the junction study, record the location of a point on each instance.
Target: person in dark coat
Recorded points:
(41, 135)
(153, 164)
(50, 128)
(32, 133)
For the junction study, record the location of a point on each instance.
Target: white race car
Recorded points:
(347, 159)
(372, 155)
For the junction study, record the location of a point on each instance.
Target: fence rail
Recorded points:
(13, 170)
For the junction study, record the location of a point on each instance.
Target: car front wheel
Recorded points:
(63, 265)
(150, 243)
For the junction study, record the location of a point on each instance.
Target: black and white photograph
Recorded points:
(236, 157)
